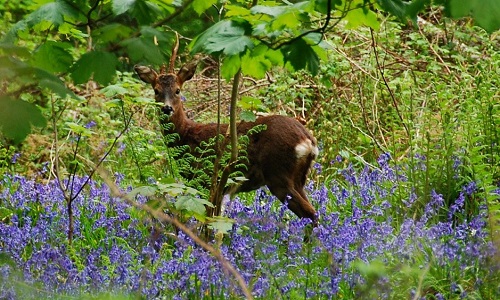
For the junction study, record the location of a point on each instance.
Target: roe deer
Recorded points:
(279, 156)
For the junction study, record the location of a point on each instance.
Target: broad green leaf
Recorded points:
(200, 6)
(146, 190)
(486, 13)
(53, 12)
(17, 117)
(300, 55)
(250, 103)
(228, 37)
(145, 12)
(221, 224)
(13, 50)
(140, 49)
(192, 204)
(255, 66)
(78, 129)
(236, 10)
(321, 5)
(53, 57)
(111, 33)
(362, 16)
(247, 116)
(230, 65)
(97, 64)
(273, 11)
(113, 90)
(122, 6)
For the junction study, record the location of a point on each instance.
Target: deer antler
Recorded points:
(175, 48)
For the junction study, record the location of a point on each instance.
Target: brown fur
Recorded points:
(272, 158)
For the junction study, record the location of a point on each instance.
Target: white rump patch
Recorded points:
(305, 148)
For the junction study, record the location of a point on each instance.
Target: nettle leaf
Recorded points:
(140, 49)
(97, 64)
(300, 55)
(228, 37)
(17, 117)
(200, 6)
(53, 57)
(486, 13)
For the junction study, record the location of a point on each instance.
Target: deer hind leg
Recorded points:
(296, 200)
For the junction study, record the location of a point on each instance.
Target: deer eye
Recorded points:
(156, 92)
(177, 91)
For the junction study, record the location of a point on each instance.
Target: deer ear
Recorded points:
(146, 74)
(187, 71)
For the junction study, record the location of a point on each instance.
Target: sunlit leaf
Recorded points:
(200, 6)
(221, 224)
(230, 65)
(247, 116)
(192, 204)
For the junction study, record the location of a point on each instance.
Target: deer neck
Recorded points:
(181, 124)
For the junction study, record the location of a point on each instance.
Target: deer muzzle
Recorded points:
(167, 109)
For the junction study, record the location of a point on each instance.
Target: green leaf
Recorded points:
(200, 6)
(249, 103)
(228, 37)
(300, 55)
(78, 129)
(486, 13)
(221, 224)
(113, 90)
(101, 65)
(53, 12)
(140, 49)
(17, 117)
(53, 57)
(362, 16)
(122, 6)
(192, 204)
(111, 33)
(247, 116)
(146, 190)
(230, 65)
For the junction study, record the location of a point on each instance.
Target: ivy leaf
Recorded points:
(200, 6)
(300, 55)
(53, 57)
(17, 117)
(228, 37)
(99, 64)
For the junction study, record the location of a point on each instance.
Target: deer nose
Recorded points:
(167, 109)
